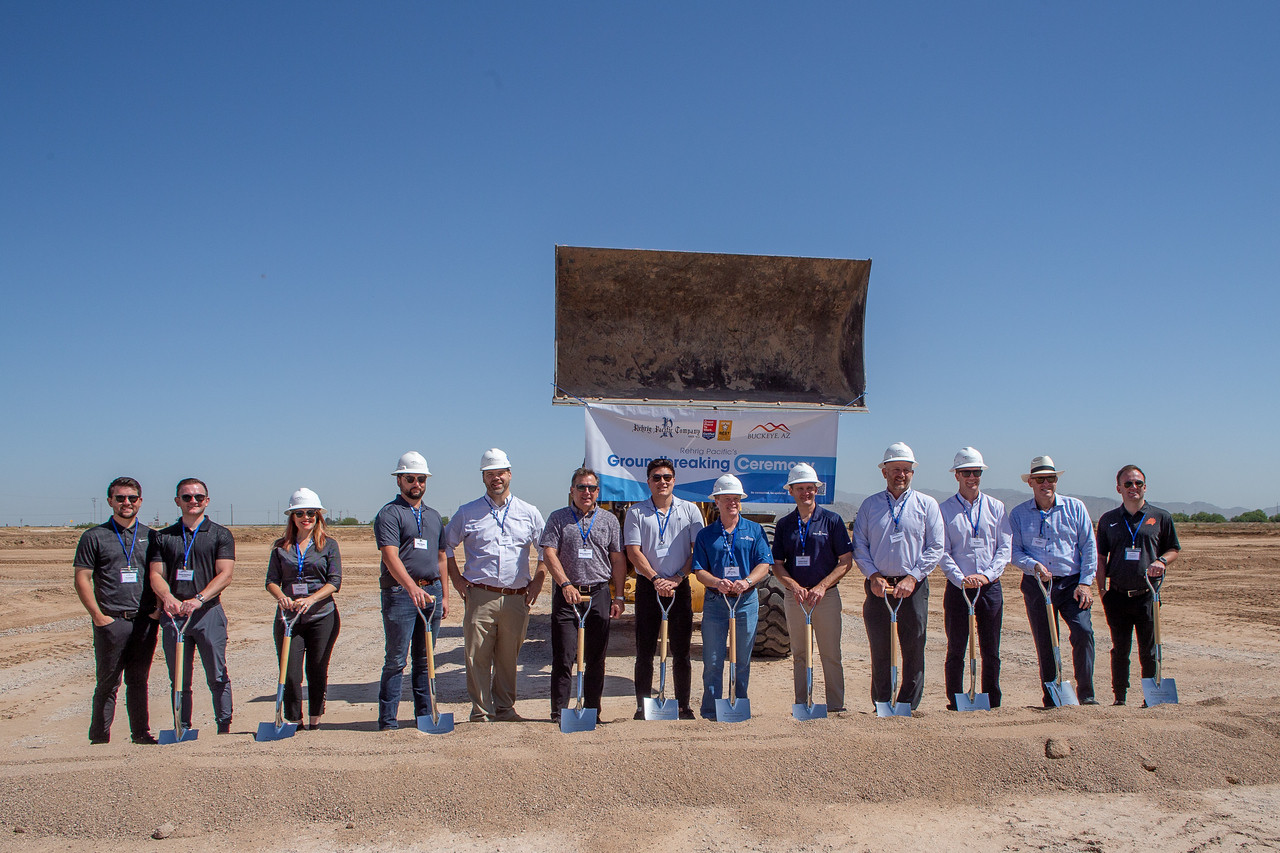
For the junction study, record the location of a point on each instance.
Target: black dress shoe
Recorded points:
(639, 714)
(224, 728)
(687, 714)
(95, 741)
(1090, 701)
(146, 738)
(1119, 701)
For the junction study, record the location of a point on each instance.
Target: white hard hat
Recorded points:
(802, 472)
(728, 485)
(898, 452)
(968, 457)
(1041, 466)
(412, 463)
(304, 499)
(494, 459)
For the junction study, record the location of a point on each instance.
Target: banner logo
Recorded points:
(769, 430)
(709, 428)
(726, 431)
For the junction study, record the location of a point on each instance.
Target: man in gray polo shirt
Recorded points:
(111, 580)
(582, 545)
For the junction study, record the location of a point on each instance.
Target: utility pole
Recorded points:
(233, 515)
(95, 510)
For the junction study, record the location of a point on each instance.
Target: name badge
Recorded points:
(506, 539)
(1040, 542)
(731, 573)
(186, 574)
(898, 538)
(300, 589)
(585, 553)
(980, 550)
(663, 550)
(802, 561)
(128, 576)
(1132, 554)
(421, 544)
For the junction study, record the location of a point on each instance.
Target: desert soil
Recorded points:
(1202, 775)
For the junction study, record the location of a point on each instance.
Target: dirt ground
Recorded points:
(1202, 775)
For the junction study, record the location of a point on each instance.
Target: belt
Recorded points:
(121, 614)
(589, 588)
(501, 590)
(1136, 593)
(428, 582)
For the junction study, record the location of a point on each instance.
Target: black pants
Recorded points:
(123, 648)
(564, 649)
(313, 640)
(913, 620)
(989, 612)
(679, 633)
(1079, 623)
(1126, 615)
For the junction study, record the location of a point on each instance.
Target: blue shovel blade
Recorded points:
(737, 711)
(803, 711)
(269, 731)
(436, 727)
(572, 720)
(980, 702)
(169, 736)
(893, 709)
(1061, 693)
(661, 709)
(1164, 693)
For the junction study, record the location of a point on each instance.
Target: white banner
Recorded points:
(759, 447)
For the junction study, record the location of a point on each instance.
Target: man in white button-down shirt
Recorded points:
(897, 542)
(979, 545)
(496, 586)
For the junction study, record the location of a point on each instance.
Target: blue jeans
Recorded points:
(715, 646)
(403, 630)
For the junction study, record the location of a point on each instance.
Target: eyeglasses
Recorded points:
(666, 478)
(586, 487)
(133, 499)
(1052, 478)
(415, 478)
(309, 513)
(1134, 484)
(970, 472)
(186, 499)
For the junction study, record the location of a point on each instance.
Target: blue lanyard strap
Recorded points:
(493, 510)
(803, 527)
(730, 543)
(417, 516)
(586, 535)
(1134, 531)
(186, 547)
(973, 522)
(128, 555)
(1044, 514)
(302, 553)
(662, 522)
(901, 506)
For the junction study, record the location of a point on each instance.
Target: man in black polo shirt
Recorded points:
(408, 534)
(1134, 540)
(191, 564)
(112, 584)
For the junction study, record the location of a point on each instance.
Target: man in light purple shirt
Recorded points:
(897, 541)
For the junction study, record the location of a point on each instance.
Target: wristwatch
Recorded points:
(566, 583)
(200, 597)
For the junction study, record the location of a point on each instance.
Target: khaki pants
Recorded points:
(827, 627)
(493, 629)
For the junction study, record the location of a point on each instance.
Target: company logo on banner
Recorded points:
(621, 441)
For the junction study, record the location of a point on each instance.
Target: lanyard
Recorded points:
(1133, 531)
(803, 527)
(901, 506)
(730, 543)
(302, 552)
(186, 548)
(1044, 514)
(587, 533)
(493, 510)
(417, 516)
(662, 523)
(973, 522)
(128, 555)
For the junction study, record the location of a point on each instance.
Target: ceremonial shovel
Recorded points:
(1158, 691)
(662, 708)
(1060, 692)
(733, 709)
(281, 729)
(178, 734)
(434, 723)
(580, 719)
(807, 710)
(973, 700)
(893, 708)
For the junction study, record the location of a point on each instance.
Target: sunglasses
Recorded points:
(1053, 478)
(1134, 484)
(133, 499)
(186, 499)
(309, 513)
(415, 478)
(665, 478)
(584, 487)
(970, 472)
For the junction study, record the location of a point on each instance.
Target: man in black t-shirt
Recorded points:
(111, 580)
(191, 564)
(1135, 541)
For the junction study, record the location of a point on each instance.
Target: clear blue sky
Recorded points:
(276, 244)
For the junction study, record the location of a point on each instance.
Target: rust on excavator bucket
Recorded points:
(692, 329)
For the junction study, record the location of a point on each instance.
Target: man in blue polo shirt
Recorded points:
(811, 553)
(730, 557)
(1053, 541)
(408, 534)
